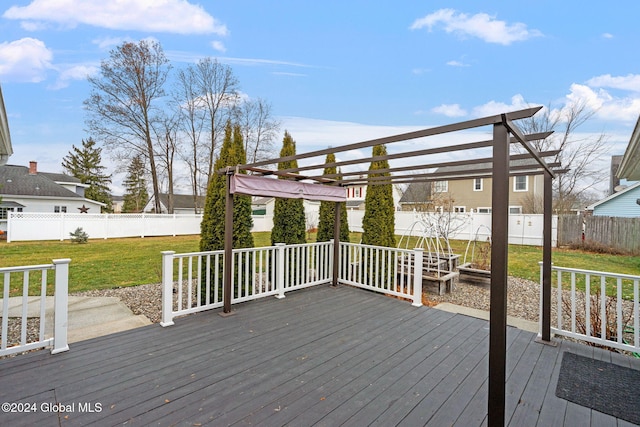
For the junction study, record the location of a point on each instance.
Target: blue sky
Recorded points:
(335, 72)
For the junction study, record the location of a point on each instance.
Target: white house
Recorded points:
(24, 189)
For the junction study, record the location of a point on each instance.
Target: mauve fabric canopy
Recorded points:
(251, 185)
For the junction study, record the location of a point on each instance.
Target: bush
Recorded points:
(79, 236)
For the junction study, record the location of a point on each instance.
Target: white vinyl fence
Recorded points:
(57, 226)
(606, 312)
(18, 310)
(523, 229)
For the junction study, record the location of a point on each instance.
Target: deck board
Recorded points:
(321, 356)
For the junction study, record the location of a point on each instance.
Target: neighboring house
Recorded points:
(356, 197)
(630, 164)
(624, 203)
(5, 138)
(26, 190)
(465, 195)
(182, 204)
(262, 205)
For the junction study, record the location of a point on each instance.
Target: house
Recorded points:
(474, 194)
(182, 204)
(630, 165)
(5, 138)
(624, 203)
(24, 189)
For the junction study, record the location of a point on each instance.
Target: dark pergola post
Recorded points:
(336, 244)
(546, 260)
(499, 259)
(228, 246)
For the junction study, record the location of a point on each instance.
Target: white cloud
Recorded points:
(606, 106)
(607, 35)
(480, 25)
(25, 60)
(494, 107)
(629, 82)
(168, 16)
(106, 43)
(219, 46)
(457, 64)
(450, 110)
(74, 72)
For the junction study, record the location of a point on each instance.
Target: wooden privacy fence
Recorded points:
(617, 233)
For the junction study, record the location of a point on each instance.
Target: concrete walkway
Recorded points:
(89, 317)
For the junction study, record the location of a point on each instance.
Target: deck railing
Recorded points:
(390, 271)
(33, 294)
(192, 282)
(597, 307)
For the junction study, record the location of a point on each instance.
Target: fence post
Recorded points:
(61, 306)
(417, 276)
(280, 251)
(167, 288)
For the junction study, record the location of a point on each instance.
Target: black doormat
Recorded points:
(603, 386)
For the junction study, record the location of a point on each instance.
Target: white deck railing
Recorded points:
(610, 303)
(387, 270)
(35, 295)
(192, 282)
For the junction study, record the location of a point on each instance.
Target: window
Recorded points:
(477, 184)
(521, 183)
(4, 212)
(484, 210)
(459, 209)
(357, 192)
(516, 210)
(58, 209)
(441, 186)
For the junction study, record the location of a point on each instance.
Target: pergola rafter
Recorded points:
(503, 165)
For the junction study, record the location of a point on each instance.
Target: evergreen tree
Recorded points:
(212, 228)
(288, 215)
(84, 164)
(378, 223)
(136, 195)
(328, 213)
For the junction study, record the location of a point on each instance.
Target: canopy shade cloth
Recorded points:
(260, 186)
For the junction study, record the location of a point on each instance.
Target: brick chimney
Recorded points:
(33, 168)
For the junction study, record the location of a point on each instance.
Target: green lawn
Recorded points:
(101, 264)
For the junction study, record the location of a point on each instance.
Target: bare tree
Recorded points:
(578, 153)
(259, 129)
(191, 119)
(217, 89)
(123, 102)
(168, 145)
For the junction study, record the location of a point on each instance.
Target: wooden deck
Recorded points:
(321, 356)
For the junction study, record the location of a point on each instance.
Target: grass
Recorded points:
(102, 264)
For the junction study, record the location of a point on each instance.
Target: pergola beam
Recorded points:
(455, 127)
(518, 134)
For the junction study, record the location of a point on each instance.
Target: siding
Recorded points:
(624, 205)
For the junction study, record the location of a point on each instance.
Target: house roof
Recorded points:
(417, 192)
(613, 196)
(261, 200)
(17, 181)
(5, 138)
(60, 178)
(630, 165)
(182, 201)
(488, 165)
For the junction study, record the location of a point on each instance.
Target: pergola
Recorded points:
(324, 187)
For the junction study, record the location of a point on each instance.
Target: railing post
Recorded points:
(61, 306)
(417, 276)
(167, 288)
(280, 250)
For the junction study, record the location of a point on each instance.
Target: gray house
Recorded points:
(5, 139)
